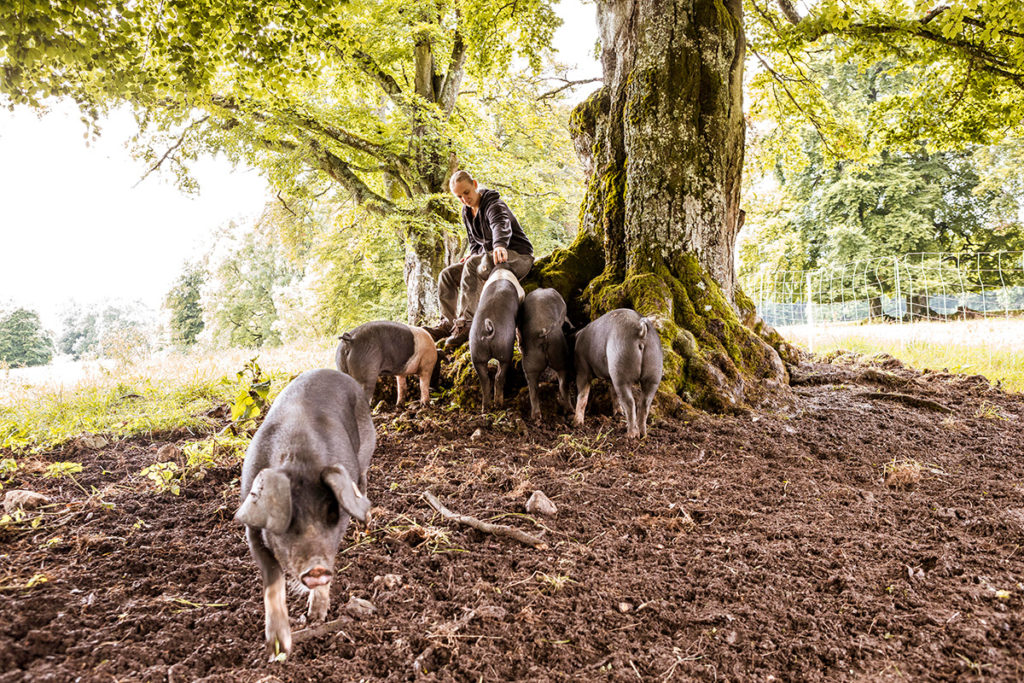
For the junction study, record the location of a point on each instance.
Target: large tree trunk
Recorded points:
(429, 248)
(663, 142)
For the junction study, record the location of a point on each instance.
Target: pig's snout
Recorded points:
(318, 576)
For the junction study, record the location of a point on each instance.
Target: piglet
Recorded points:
(303, 478)
(544, 344)
(623, 347)
(493, 332)
(387, 348)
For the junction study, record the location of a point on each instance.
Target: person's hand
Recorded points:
(500, 255)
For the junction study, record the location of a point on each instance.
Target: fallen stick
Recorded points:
(486, 527)
(908, 400)
(321, 630)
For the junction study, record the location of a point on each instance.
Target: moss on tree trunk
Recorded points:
(662, 142)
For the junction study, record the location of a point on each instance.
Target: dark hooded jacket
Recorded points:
(494, 226)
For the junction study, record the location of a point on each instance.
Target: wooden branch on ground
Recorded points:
(912, 401)
(321, 630)
(486, 527)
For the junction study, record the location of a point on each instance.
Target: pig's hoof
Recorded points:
(279, 640)
(279, 652)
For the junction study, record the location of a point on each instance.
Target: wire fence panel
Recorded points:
(917, 286)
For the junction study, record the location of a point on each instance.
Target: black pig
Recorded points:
(493, 332)
(304, 476)
(623, 347)
(543, 344)
(387, 348)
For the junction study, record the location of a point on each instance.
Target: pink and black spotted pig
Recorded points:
(383, 347)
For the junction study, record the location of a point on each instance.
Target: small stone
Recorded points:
(168, 452)
(93, 442)
(27, 500)
(490, 612)
(541, 504)
(625, 607)
(390, 581)
(359, 608)
(475, 436)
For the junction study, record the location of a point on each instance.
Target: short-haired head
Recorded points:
(458, 177)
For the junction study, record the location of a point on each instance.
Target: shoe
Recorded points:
(459, 335)
(441, 330)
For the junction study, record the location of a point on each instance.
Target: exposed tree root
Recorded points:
(486, 527)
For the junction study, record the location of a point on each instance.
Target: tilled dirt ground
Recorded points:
(841, 534)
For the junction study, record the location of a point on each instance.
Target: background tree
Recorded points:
(359, 99)
(112, 329)
(939, 194)
(246, 266)
(183, 303)
(23, 341)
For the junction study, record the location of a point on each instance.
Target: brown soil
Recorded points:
(832, 536)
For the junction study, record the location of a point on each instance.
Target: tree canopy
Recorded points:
(357, 98)
(959, 67)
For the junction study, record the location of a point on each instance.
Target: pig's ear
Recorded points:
(269, 503)
(350, 498)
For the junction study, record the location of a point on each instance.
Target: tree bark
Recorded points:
(663, 141)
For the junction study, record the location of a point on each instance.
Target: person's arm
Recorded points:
(499, 217)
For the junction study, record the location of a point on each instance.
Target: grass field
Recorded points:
(46, 406)
(993, 348)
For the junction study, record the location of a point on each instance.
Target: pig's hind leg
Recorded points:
(563, 390)
(499, 382)
(648, 386)
(485, 385)
(624, 394)
(531, 382)
(425, 386)
(400, 383)
(583, 380)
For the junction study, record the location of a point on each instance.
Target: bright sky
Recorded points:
(73, 227)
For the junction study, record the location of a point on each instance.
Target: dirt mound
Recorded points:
(746, 547)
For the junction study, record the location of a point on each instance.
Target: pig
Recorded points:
(387, 348)
(623, 347)
(493, 332)
(543, 343)
(303, 478)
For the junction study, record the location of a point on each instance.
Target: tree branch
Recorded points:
(486, 527)
(789, 12)
(453, 79)
(568, 84)
(176, 145)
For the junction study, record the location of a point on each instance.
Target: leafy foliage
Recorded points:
(251, 390)
(238, 297)
(959, 67)
(183, 303)
(358, 100)
(23, 341)
(841, 195)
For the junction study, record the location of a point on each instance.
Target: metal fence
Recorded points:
(918, 286)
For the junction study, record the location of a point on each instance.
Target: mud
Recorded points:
(827, 536)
